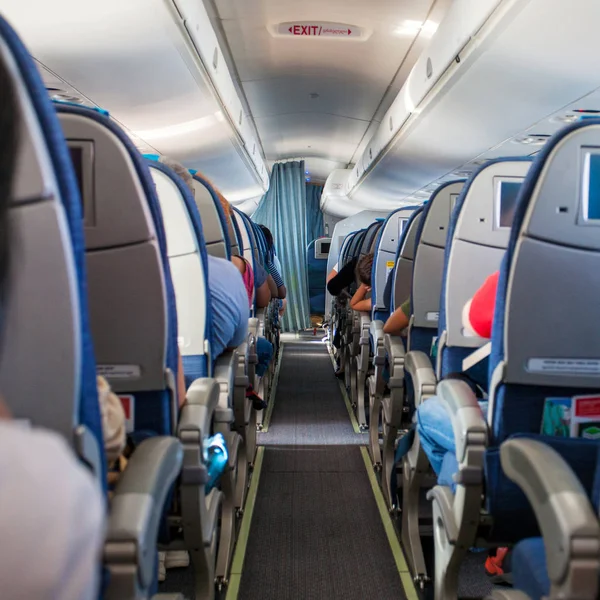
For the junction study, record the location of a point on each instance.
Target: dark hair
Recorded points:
(364, 268)
(9, 122)
(269, 239)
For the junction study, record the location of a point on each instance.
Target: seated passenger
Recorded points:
(273, 270)
(226, 287)
(231, 287)
(361, 301)
(53, 512)
(398, 321)
(337, 282)
(433, 422)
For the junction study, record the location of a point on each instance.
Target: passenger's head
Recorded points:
(268, 235)
(363, 269)
(269, 239)
(9, 122)
(224, 204)
(179, 170)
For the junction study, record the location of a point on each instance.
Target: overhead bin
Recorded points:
(493, 70)
(335, 202)
(146, 62)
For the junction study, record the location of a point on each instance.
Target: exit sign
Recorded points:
(316, 29)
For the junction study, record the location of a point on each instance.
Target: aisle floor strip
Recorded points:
(390, 530)
(267, 420)
(240, 549)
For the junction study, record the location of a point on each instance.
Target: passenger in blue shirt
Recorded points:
(229, 305)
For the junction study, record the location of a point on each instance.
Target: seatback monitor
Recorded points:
(505, 201)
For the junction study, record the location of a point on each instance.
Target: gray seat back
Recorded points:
(478, 241)
(40, 370)
(556, 252)
(386, 251)
(126, 280)
(429, 256)
(404, 265)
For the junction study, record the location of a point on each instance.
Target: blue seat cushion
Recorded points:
(152, 414)
(194, 367)
(530, 572)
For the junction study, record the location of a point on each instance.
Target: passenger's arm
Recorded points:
(397, 322)
(331, 275)
(272, 287)
(263, 295)
(240, 264)
(359, 302)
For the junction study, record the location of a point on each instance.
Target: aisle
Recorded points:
(316, 529)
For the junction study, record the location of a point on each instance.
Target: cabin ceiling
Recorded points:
(356, 81)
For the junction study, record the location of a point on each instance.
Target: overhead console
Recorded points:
(494, 81)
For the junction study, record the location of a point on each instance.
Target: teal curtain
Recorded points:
(283, 211)
(314, 216)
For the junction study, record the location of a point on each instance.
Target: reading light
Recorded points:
(535, 139)
(414, 27)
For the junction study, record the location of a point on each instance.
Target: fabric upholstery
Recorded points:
(89, 411)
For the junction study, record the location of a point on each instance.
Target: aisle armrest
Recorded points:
(195, 421)
(468, 422)
(224, 372)
(376, 331)
(418, 366)
(136, 510)
(396, 355)
(563, 511)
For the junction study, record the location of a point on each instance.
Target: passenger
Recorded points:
(227, 290)
(53, 512)
(398, 321)
(433, 422)
(230, 287)
(361, 301)
(272, 268)
(337, 282)
(113, 429)
(229, 305)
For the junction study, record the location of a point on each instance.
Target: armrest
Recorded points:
(365, 326)
(419, 367)
(376, 330)
(224, 373)
(253, 325)
(396, 355)
(468, 423)
(136, 507)
(196, 414)
(561, 505)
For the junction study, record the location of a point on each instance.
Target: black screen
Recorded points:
(509, 192)
(77, 159)
(325, 247)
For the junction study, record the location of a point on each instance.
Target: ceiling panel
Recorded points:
(351, 78)
(299, 135)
